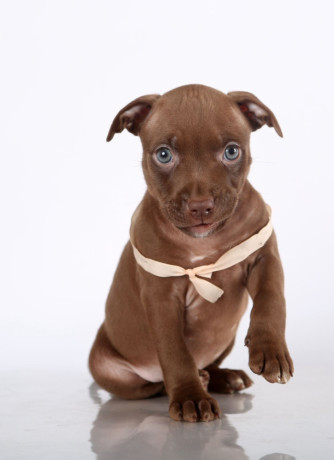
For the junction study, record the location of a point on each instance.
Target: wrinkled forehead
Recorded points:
(195, 117)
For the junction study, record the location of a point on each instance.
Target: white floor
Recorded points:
(65, 416)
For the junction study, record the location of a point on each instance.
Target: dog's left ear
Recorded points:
(255, 111)
(132, 116)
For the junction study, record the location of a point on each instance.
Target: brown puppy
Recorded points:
(160, 334)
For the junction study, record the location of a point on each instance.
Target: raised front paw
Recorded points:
(197, 408)
(270, 359)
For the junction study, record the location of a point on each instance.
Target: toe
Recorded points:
(215, 408)
(175, 411)
(257, 362)
(272, 370)
(246, 380)
(189, 411)
(205, 412)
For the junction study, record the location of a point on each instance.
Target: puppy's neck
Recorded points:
(157, 238)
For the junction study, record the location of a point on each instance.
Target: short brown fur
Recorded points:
(159, 334)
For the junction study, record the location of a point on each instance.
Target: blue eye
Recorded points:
(164, 155)
(232, 152)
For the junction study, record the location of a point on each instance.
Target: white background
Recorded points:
(67, 67)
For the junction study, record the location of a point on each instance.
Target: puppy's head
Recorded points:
(196, 153)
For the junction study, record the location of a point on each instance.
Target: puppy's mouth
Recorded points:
(201, 230)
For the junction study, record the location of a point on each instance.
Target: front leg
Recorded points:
(268, 352)
(164, 306)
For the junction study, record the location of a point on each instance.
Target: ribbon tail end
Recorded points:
(214, 297)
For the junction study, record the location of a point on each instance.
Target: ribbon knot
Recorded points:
(190, 272)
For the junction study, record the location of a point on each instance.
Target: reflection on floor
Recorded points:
(140, 429)
(66, 416)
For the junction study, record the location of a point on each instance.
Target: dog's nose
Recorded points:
(200, 209)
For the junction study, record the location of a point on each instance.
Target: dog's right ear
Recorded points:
(132, 116)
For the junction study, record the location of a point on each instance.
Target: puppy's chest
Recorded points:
(233, 283)
(210, 327)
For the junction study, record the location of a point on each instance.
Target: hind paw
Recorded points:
(228, 381)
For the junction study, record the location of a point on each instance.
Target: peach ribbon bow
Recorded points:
(206, 289)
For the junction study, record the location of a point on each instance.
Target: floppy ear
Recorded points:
(255, 111)
(132, 115)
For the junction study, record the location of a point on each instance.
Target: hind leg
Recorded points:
(226, 381)
(114, 374)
